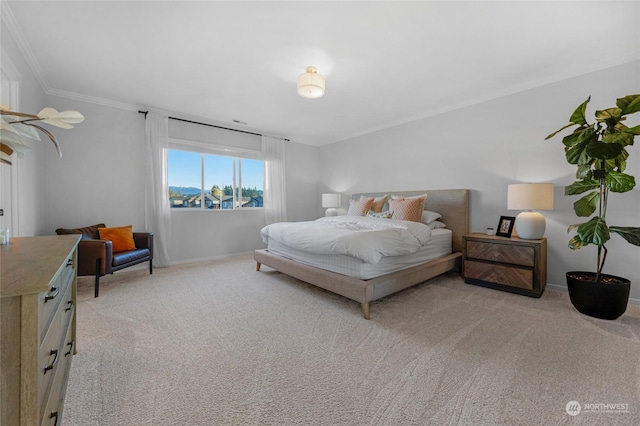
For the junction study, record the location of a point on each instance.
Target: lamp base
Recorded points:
(530, 225)
(331, 211)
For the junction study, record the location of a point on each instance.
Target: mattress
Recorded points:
(438, 245)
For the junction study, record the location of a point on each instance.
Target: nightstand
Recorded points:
(508, 264)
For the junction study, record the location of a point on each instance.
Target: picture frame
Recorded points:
(505, 226)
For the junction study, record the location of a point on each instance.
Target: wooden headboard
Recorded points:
(452, 204)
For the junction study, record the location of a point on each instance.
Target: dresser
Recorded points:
(38, 327)
(510, 264)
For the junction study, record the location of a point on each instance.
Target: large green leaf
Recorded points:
(579, 135)
(632, 235)
(621, 164)
(579, 187)
(618, 164)
(579, 115)
(610, 115)
(586, 205)
(620, 182)
(622, 138)
(576, 243)
(559, 130)
(603, 151)
(629, 104)
(635, 130)
(610, 165)
(584, 172)
(594, 232)
(576, 144)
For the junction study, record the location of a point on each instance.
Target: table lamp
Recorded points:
(530, 224)
(330, 202)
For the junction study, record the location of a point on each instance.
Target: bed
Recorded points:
(452, 204)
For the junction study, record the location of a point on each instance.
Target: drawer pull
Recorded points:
(55, 361)
(70, 344)
(69, 306)
(69, 262)
(52, 295)
(54, 414)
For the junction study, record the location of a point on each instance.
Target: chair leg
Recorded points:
(151, 267)
(97, 284)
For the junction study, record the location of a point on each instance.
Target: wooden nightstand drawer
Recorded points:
(516, 277)
(516, 255)
(509, 264)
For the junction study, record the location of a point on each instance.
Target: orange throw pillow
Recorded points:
(121, 237)
(409, 208)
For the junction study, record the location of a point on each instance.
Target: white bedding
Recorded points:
(439, 245)
(366, 238)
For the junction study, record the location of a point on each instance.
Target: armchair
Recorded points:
(96, 256)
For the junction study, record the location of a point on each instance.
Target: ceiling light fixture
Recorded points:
(311, 84)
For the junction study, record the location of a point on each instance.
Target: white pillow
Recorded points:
(428, 216)
(436, 224)
(359, 207)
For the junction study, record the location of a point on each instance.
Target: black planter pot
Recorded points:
(597, 299)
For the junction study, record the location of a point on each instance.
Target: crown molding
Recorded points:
(9, 20)
(92, 99)
(628, 59)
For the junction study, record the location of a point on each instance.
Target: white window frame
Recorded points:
(237, 154)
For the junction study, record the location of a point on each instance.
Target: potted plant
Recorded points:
(599, 151)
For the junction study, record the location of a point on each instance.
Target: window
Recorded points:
(200, 180)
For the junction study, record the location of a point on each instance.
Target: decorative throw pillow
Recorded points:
(407, 208)
(359, 207)
(382, 215)
(378, 202)
(436, 224)
(121, 237)
(428, 216)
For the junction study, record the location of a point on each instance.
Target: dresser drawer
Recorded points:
(513, 254)
(49, 301)
(51, 409)
(52, 349)
(504, 275)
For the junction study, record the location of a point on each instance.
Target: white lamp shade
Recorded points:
(530, 225)
(330, 200)
(530, 196)
(311, 84)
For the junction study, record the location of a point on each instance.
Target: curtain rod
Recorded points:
(206, 124)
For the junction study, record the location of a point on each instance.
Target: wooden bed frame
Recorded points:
(453, 204)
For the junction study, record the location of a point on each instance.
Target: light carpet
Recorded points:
(218, 343)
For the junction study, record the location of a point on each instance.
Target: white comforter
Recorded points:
(365, 238)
